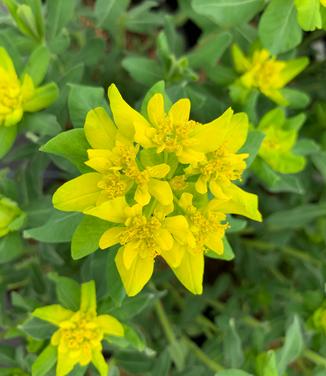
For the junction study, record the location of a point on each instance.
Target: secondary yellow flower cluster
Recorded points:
(79, 334)
(164, 182)
(263, 72)
(18, 95)
(11, 216)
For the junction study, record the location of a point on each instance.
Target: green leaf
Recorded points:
(41, 123)
(233, 372)
(58, 229)
(59, 13)
(252, 145)
(296, 98)
(37, 328)
(292, 347)
(71, 145)
(266, 364)
(140, 19)
(236, 224)
(67, 290)
(297, 217)
(319, 160)
(274, 181)
(143, 70)
(232, 346)
(131, 339)
(81, 99)
(115, 287)
(228, 13)
(278, 27)
(86, 238)
(133, 306)
(209, 49)
(7, 139)
(306, 146)
(37, 64)
(11, 246)
(162, 365)
(45, 361)
(108, 12)
(135, 362)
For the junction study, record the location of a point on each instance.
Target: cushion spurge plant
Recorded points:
(79, 334)
(154, 179)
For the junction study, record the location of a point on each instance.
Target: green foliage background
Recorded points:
(255, 315)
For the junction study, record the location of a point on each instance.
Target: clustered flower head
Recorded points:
(164, 183)
(263, 72)
(11, 216)
(19, 94)
(79, 334)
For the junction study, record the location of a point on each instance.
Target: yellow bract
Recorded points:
(263, 72)
(18, 95)
(11, 216)
(80, 333)
(148, 172)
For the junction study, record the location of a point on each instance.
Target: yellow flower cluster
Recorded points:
(79, 334)
(11, 216)
(263, 72)
(18, 95)
(164, 182)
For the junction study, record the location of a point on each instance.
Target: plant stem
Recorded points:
(211, 364)
(315, 357)
(166, 326)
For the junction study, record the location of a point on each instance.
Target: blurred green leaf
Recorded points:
(143, 70)
(11, 246)
(297, 99)
(209, 50)
(45, 361)
(297, 217)
(59, 13)
(228, 13)
(278, 27)
(7, 139)
(292, 347)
